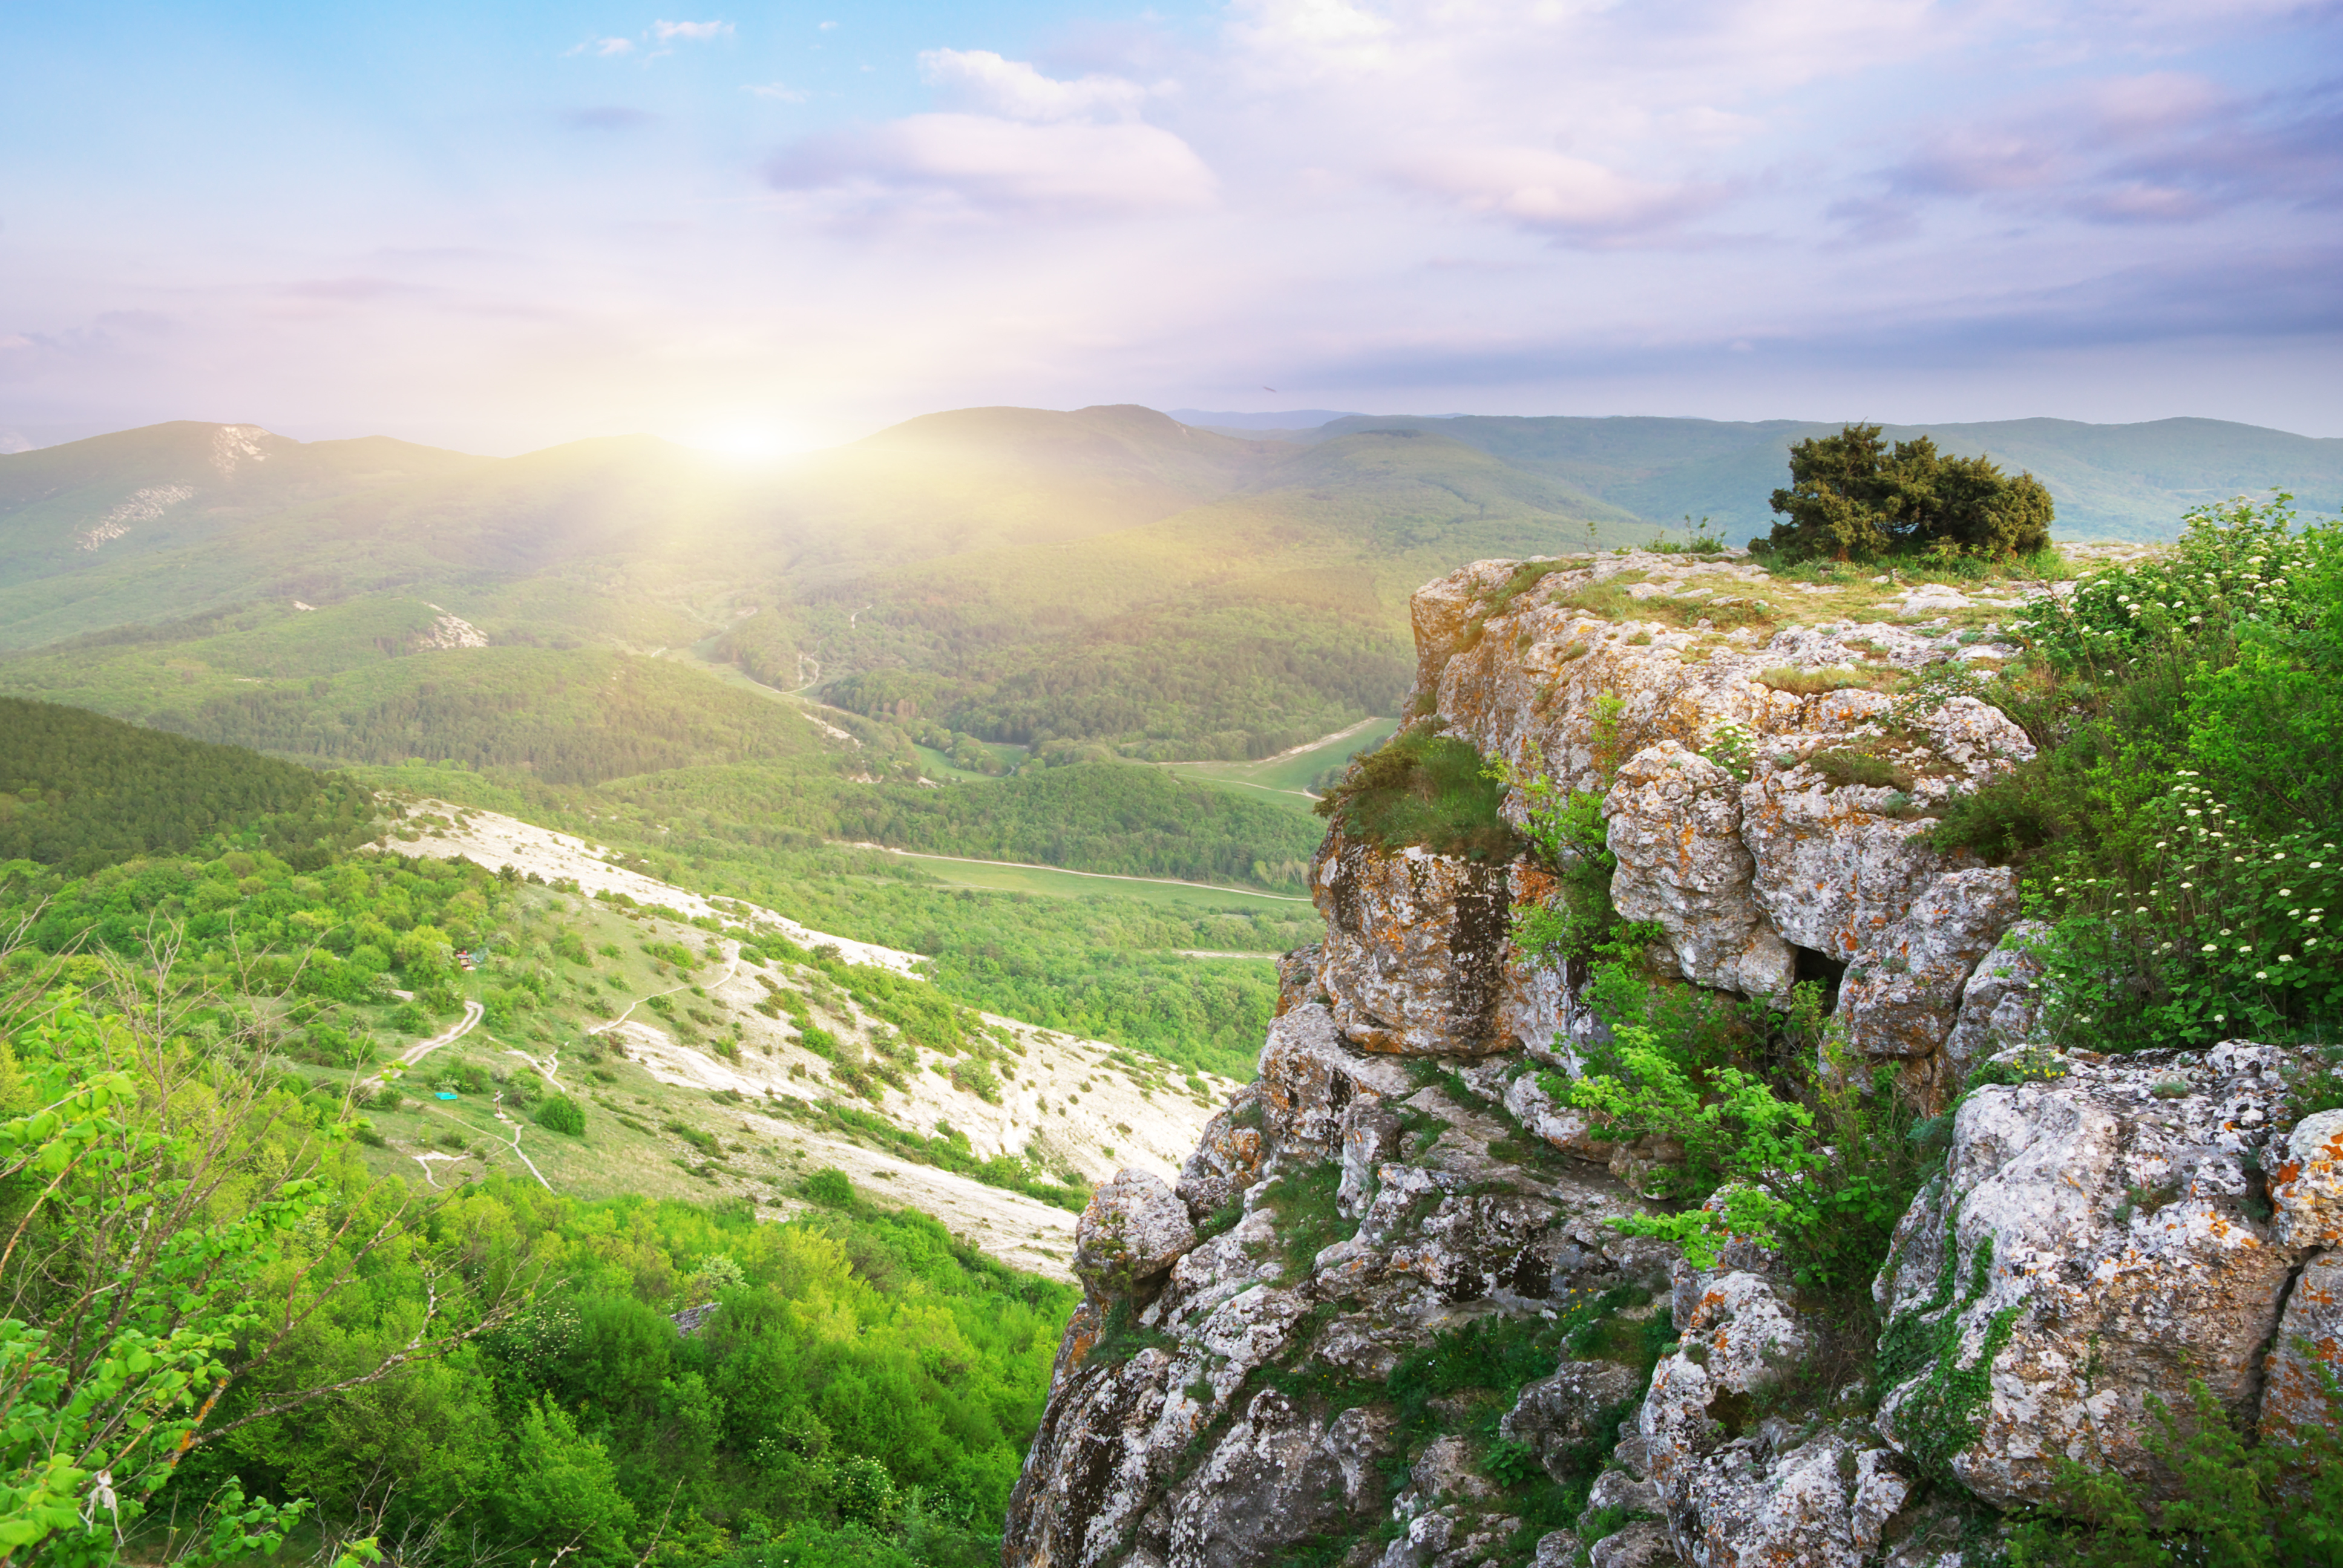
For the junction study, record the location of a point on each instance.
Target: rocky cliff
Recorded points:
(1384, 1318)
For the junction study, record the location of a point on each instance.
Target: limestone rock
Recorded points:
(1279, 1476)
(1309, 1075)
(1228, 1157)
(1674, 827)
(1532, 1104)
(1134, 1230)
(1748, 1506)
(1900, 998)
(2309, 1333)
(1416, 946)
(1999, 1003)
(1831, 871)
(2307, 1186)
(1643, 1545)
(1297, 978)
(1370, 1141)
(2091, 1240)
(1559, 1416)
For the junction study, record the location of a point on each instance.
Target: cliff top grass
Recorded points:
(1424, 789)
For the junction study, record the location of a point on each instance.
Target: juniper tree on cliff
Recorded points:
(1853, 497)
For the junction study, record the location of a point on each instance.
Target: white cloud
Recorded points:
(1565, 196)
(981, 80)
(779, 91)
(979, 163)
(695, 32)
(603, 47)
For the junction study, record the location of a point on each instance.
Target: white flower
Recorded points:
(2211, 948)
(2285, 958)
(2261, 974)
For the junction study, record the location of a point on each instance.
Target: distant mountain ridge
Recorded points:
(1109, 578)
(2110, 481)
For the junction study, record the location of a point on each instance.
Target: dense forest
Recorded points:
(79, 791)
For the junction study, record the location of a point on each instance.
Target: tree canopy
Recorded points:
(1854, 497)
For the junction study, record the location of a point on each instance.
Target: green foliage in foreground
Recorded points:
(225, 1325)
(1853, 497)
(2179, 826)
(1785, 1141)
(1423, 788)
(2276, 1506)
(79, 792)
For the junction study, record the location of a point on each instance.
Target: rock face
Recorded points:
(1414, 957)
(1135, 1229)
(1371, 1215)
(1312, 1350)
(2096, 1237)
(1675, 826)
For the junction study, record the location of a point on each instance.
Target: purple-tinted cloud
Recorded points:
(2161, 149)
(954, 164)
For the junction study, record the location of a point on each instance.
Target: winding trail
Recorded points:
(731, 970)
(473, 1013)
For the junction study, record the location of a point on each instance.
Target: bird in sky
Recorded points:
(1272, 389)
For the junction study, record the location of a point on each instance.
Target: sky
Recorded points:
(766, 227)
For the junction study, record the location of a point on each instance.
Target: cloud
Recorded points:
(982, 164)
(981, 80)
(1572, 199)
(607, 117)
(778, 91)
(692, 32)
(2161, 148)
(604, 48)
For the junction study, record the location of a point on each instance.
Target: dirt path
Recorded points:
(1064, 871)
(473, 1013)
(1322, 740)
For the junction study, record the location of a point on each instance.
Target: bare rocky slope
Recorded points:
(1320, 1346)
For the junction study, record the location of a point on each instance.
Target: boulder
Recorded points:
(2308, 1185)
(1831, 870)
(1416, 946)
(1309, 1076)
(1900, 998)
(1297, 978)
(1999, 1003)
(1673, 825)
(1561, 1416)
(2095, 1237)
(1279, 1476)
(1135, 1229)
(2309, 1336)
(1227, 1158)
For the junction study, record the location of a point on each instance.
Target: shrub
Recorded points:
(1421, 787)
(1844, 765)
(559, 1113)
(829, 1188)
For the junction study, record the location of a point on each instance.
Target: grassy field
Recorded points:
(1286, 779)
(951, 872)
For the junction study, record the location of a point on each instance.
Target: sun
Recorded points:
(749, 440)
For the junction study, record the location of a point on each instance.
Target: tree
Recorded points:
(1853, 497)
(174, 1221)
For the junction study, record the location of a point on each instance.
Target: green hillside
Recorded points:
(2110, 481)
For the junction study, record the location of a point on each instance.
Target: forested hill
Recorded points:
(78, 792)
(2110, 481)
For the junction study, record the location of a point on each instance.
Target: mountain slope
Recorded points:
(2120, 481)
